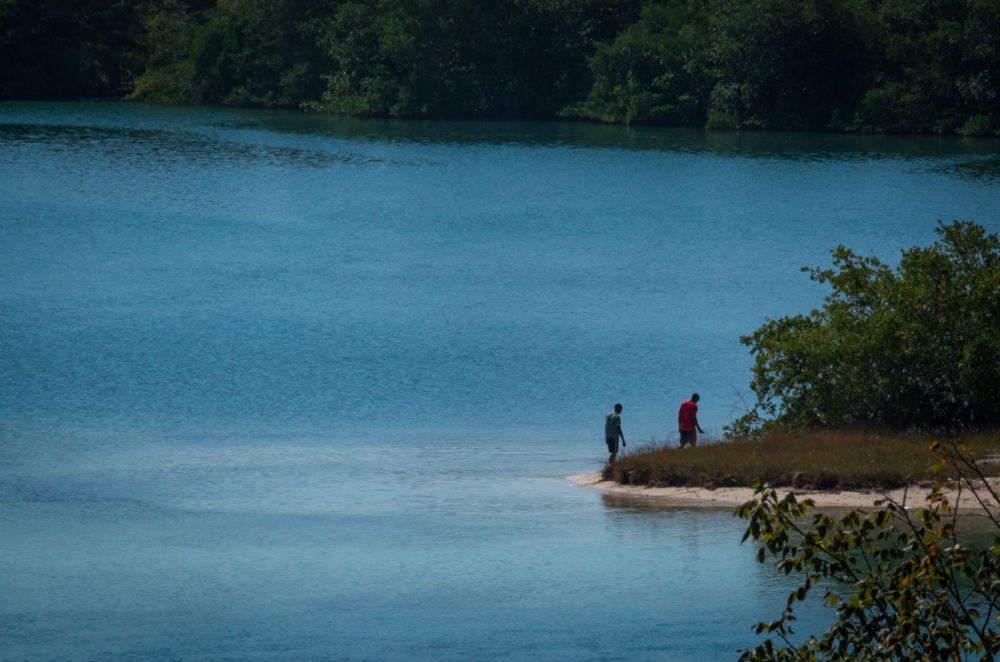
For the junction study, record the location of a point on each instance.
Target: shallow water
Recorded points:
(277, 386)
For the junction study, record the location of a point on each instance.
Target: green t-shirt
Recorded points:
(612, 426)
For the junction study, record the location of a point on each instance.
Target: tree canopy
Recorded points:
(915, 66)
(911, 348)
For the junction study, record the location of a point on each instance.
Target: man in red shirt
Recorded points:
(687, 421)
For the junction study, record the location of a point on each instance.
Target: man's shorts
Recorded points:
(612, 444)
(688, 437)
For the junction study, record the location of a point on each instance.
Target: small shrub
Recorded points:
(719, 121)
(978, 125)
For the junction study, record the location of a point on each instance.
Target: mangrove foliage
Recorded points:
(915, 348)
(911, 66)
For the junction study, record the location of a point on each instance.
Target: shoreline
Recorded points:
(736, 496)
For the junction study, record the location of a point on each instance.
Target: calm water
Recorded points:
(283, 387)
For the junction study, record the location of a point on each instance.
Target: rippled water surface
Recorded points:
(288, 387)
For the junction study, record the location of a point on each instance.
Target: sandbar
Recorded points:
(914, 497)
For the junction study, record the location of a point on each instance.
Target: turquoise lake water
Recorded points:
(287, 387)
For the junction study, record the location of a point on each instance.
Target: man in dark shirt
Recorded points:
(613, 431)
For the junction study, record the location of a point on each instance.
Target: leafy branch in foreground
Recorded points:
(903, 585)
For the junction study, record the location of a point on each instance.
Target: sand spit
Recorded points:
(734, 496)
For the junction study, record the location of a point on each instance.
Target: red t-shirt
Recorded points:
(687, 415)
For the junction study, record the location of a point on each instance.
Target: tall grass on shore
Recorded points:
(821, 460)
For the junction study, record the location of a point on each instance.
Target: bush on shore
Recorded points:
(910, 349)
(820, 460)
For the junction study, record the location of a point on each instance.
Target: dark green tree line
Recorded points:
(69, 48)
(849, 65)
(653, 71)
(795, 64)
(477, 58)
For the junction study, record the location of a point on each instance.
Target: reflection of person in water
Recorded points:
(613, 431)
(687, 421)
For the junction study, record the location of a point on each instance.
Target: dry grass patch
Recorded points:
(826, 460)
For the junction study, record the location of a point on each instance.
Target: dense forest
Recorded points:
(904, 66)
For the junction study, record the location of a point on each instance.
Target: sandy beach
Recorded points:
(734, 496)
